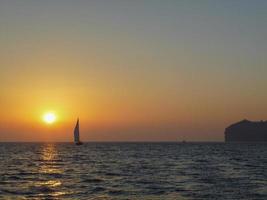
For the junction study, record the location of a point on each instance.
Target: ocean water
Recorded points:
(133, 171)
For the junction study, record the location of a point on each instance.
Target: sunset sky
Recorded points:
(137, 70)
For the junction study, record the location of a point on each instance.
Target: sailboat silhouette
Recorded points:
(77, 134)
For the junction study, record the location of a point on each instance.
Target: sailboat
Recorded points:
(77, 134)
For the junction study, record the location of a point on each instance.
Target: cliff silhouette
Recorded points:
(247, 131)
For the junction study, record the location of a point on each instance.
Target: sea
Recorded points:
(133, 171)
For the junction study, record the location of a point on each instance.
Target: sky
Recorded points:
(143, 70)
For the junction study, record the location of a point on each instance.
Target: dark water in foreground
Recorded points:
(133, 171)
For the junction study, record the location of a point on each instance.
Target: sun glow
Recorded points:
(49, 118)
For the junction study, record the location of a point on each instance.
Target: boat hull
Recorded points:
(78, 143)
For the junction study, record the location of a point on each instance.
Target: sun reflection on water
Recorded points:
(49, 160)
(50, 171)
(50, 183)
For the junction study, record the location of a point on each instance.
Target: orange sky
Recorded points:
(130, 71)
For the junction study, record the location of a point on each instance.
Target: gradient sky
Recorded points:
(147, 70)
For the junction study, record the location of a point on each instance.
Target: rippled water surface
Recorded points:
(133, 171)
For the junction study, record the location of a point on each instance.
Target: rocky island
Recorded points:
(247, 131)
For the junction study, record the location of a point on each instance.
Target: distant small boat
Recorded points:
(77, 134)
(184, 142)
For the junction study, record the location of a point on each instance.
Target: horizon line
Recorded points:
(119, 141)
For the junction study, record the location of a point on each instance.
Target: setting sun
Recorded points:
(49, 118)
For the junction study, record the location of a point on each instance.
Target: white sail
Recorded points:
(77, 132)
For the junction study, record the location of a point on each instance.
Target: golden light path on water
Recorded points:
(49, 167)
